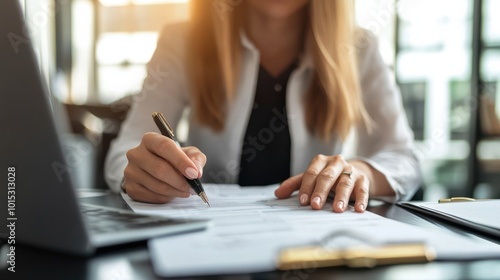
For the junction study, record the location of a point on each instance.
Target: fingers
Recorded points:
(288, 186)
(167, 149)
(134, 174)
(309, 180)
(157, 169)
(326, 175)
(322, 175)
(153, 169)
(361, 192)
(197, 157)
(142, 194)
(343, 192)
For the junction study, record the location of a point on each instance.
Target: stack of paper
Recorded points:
(250, 226)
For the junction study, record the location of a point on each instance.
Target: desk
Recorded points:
(132, 261)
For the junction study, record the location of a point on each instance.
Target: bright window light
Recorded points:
(138, 2)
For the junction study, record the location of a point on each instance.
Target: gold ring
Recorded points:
(348, 174)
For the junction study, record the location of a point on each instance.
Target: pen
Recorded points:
(458, 199)
(166, 130)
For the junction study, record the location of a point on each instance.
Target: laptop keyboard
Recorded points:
(100, 220)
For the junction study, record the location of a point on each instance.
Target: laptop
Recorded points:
(39, 203)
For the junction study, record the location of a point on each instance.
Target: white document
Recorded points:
(250, 226)
(480, 212)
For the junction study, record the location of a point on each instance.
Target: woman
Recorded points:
(274, 88)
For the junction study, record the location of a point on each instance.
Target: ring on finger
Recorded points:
(123, 185)
(348, 174)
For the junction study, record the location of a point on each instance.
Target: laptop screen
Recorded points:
(43, 197)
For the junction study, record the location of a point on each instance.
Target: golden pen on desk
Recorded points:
(166, 130)
(459, 199)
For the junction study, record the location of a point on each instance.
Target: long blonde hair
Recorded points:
(333, 104)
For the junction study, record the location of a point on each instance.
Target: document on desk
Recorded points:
(250, 226)
(481, 215)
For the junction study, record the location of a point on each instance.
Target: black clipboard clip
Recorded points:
(307, 257)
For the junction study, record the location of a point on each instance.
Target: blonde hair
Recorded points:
(333, 104)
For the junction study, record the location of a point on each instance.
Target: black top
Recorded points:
(265, 157)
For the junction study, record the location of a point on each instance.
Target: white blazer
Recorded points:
(388, 148)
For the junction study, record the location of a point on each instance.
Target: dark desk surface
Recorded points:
(132, 261)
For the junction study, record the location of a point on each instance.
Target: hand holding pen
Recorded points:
(157, 169)
(166, 130)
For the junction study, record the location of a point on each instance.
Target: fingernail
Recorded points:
(303, 198)
(317, 200)
(200, 169)
(362, 207)
(340, 204)
(191, 173)
(191, 191)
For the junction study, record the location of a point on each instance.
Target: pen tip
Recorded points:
(204, 197)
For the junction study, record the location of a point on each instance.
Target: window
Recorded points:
(112, 42)
(433, 69)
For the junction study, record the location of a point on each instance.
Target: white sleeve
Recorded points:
(164, 90)
(389, 148)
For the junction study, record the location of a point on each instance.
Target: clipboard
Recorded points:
(369, 256)
(477, 215)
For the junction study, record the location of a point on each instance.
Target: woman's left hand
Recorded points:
(330, 174)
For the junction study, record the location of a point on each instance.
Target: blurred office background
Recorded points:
(445, 56)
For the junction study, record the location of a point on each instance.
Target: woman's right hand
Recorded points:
(156, 169)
